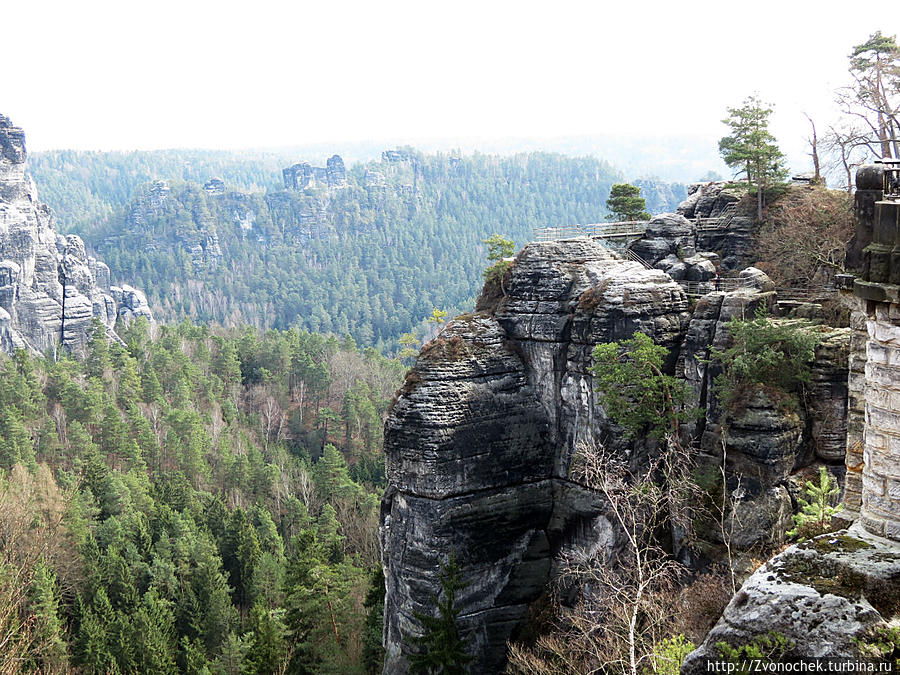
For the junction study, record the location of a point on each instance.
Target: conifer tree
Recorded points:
(443, 650)
(751, 147)
(625, 203)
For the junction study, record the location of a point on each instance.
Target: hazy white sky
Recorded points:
(187, 73)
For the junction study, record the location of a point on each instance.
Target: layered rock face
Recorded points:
(303, 175)
(734, 244)
(50, 289)
(826, 596)
(480, 440)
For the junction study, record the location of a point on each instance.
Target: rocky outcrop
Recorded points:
(480, 440)
(214, 186)
(667, 235)
(303, 175)
(335, 172)
(766, 441)
(734, 244)
(823, 598)
(50, 289)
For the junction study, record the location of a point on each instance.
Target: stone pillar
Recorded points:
(856, 412)
(880, 293)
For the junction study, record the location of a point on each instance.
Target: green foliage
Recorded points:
(443, 649)
(499, 248)
(769, 647)
(881, 642)
(751, 147)
(776, 355)
(438, 316)
(635, 392)
(816, 511)
(196, 534)
(373, 648)
(625, 203)
(670, 653)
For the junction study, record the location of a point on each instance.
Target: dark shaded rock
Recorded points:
(214, 186)
(667, 234)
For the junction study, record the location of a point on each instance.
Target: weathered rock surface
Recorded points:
(823, 596)
(50, 289)
(766, 440)
(669, 234)
(480, 440)
(734, 244)
(303, 175)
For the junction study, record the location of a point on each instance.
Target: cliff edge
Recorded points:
(50, 289)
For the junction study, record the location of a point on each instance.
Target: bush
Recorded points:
(816, 512)
(764, 353)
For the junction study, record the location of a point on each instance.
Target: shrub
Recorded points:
(816, 512)
(771, 354)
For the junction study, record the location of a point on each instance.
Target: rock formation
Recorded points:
(481, 438)
(303, 175)
(479, 443)
(827, 596)
(734, 245)
(822, 597)
(50, 289)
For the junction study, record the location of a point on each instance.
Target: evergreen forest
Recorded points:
(193, 501)
(371, 259)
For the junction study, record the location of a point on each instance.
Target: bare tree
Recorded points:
(873, 97)
(627, 598)
(847, 148)
(814, 151)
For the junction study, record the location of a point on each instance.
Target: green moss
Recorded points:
(835, 543)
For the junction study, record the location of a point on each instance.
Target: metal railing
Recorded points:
(797, 293)
(631, 255)
(720, 222)
(621, 230)
(626, 229)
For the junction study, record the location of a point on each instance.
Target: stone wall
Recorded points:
(875, 374)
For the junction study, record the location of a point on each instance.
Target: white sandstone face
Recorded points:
(38, 267)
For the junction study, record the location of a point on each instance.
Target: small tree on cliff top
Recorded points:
(751, 147)
(625, 203)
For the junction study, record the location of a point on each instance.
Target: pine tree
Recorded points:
(443, 650)
(373, 648)
(752, 148)
(625, 203)
(816, 511)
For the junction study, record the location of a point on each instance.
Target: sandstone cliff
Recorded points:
(480, 440)
(50, 289)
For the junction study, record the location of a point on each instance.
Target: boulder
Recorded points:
(823, 597)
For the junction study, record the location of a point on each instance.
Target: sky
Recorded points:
(189, 73)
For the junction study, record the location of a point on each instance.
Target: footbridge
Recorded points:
(620, 234)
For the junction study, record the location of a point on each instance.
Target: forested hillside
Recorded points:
(193, 503)
(370, 259)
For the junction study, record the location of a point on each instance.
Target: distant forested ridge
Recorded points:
(370, 259)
